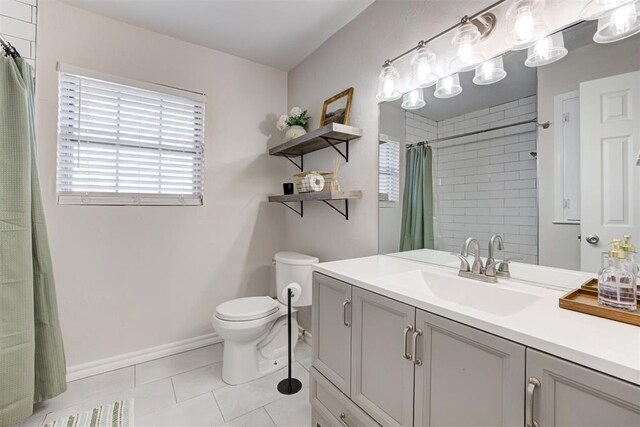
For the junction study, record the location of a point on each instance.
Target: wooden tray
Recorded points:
(585, 300)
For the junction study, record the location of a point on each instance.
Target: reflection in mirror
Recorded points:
(480, 163)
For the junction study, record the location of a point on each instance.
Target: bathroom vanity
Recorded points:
(402, 343)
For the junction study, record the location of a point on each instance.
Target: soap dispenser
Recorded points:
(616, 284)
(632, 259)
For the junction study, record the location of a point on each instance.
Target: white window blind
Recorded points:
(389, 170)
(122, 142)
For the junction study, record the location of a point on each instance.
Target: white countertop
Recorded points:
(601, 344)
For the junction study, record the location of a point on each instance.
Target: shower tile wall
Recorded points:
(486, 183)
(18, 24)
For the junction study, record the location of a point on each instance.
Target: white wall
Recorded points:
(559, 244)
(18, 20)
(353, 57)
(130, 278)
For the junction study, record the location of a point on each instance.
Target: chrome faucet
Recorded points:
(490, 266)
(477, 263)
(477, 271)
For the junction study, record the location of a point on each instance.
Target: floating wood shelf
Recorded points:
(327, 136)
(324, 196)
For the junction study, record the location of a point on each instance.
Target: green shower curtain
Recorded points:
(417, 204)
(32, 362)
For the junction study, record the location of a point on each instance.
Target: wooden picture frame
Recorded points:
(341, 115)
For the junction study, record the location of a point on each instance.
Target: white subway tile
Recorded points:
(17, 28)
(15, 9)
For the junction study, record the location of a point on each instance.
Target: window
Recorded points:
(122, 142)
(389, 171)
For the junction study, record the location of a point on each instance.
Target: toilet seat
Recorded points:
(248, 308)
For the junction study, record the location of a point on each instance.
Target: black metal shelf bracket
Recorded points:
(299, 212)
(299, 166)
(344, 213)
(344, 155)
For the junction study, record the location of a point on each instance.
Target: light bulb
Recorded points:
(622, 18)
(448, 87)
(526, 19)
(491, 71)
(619, 24)
(542, 49)
(524, 26)
(466, 37)
(422, 74)
(413, 100)
(548, 50)
(388, 84)
(487, 69)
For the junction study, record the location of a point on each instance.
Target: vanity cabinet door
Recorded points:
(381, 377)
(331, 330)
(466, 377)
(564, 394)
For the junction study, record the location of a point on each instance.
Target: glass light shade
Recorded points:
(388, 84)
(421, 68)
(413, 100)
(596, 9)
(448, 87)
(490, 71)
(619, 24)
(548, 50)
(466, 38)
(526, 23)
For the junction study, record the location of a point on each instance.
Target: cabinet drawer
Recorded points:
(331, 406)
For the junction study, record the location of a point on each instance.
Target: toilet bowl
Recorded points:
(254, 329)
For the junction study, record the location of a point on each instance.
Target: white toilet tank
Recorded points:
(294, 267)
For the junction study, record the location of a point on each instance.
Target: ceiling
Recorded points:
(278, 33)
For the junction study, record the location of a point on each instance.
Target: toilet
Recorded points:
(254, 329)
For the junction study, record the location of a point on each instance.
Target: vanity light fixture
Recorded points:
(548, 50)
(466, 38)
(619, 24)
(526, 22)
(388, 83)
(490, 71)
(448, 87)
(413, 100)
(596, 9)
(422, 74)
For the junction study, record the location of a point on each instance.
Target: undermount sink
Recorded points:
(493, 298)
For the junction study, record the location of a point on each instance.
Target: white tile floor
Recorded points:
(187, 390)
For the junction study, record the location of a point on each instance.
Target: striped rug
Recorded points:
(116, 414)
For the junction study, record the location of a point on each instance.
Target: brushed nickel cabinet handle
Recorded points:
(531, 388)
(345, 320)
(405, 342)
(343, 417)
(414, 358)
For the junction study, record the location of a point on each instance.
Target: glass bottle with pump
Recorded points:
(616, 284)
(632, 262)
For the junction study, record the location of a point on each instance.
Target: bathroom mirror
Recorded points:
(546, 157)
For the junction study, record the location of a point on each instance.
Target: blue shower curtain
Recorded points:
(32, 362)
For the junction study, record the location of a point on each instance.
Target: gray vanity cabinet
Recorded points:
(466, 377)
(331, 322)
(564, 394)
(381, 377)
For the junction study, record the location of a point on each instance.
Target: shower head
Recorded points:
(534, 154)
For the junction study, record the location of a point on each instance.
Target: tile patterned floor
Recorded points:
(187, 390)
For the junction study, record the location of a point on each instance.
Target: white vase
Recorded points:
(294, 132)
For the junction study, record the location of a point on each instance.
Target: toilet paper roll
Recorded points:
(296, 291)
(316, 182)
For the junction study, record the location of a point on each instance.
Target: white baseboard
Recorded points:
(305, 335)
(128, 359)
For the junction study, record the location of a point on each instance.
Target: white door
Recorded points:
(610, 142)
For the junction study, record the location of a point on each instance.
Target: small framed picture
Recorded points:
(337, 108)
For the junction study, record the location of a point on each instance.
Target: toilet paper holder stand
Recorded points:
(289, 385)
